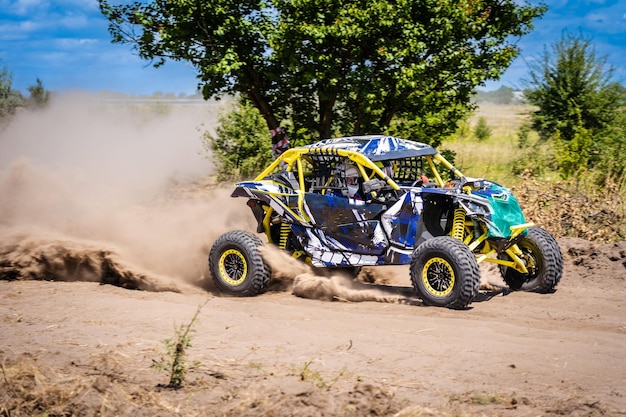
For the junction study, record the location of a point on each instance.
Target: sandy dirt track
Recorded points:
(88, 348)
(83, 202)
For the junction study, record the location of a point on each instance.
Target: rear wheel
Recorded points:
(237, 265)
(544, 262)
(444, 273)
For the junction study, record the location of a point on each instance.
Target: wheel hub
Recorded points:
(438, 277)
(233, 267)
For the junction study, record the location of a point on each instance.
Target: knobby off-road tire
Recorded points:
(237, 265)
(542, 253)
(444, 273)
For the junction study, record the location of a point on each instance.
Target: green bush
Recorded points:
(10, 100)
(573, 155)
(242, 146)
(39, 96)
(523, 136)
(482, 131)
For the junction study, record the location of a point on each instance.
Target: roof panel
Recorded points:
(377, 147)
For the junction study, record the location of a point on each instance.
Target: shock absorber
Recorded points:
(285, 228)
(458, 224)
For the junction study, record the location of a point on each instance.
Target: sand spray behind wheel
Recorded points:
(89, 187)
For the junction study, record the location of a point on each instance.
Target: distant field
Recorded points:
(492, 157)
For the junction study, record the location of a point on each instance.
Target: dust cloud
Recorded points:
(110, 191)
(342, 288)
(117, 192)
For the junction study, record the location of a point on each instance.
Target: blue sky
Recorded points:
(66, 44)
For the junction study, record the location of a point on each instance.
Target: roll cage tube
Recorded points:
(294, 155)
(439, 158)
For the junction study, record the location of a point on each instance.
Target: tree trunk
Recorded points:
(326, 116)
(258, 100)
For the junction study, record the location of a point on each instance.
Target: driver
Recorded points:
(352, 175)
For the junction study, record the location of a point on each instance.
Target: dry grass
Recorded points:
(567, 209)
(504, 119)
(29, 389)
(492, 157)
(109, 385)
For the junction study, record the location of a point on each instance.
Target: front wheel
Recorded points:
(444, 273)
(237, 265)
(543, 259)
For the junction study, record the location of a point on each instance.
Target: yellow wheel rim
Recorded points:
(233, 267)
(438, 277)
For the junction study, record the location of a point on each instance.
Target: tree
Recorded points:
(578, 105)
(10, 100)
(39, 96)
(334, 66)
(482, 130)
(572, 88)
(609, 161)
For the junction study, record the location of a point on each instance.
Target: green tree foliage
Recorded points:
(578, 106)
(610, 160)
(571, 86)
(573, 155)
(335, 66)
(39, 96)
(10, 100)
(241, 148)
(523, 135)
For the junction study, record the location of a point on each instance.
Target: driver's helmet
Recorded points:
(351, 174)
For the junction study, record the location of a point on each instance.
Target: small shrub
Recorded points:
(523, 136)
(307, 374)
(39, 96)
(573, 155)
(482, 131)
(175, 360)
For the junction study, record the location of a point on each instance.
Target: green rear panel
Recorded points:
(506, 213)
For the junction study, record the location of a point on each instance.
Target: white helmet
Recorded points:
(351, 171)
(351, 174)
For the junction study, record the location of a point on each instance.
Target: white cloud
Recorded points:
(73, 21)
(40, 7)
(18, 30)
(72, 43)
(53, 57)
(26, 7)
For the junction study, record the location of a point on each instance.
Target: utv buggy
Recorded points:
(379, 200)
